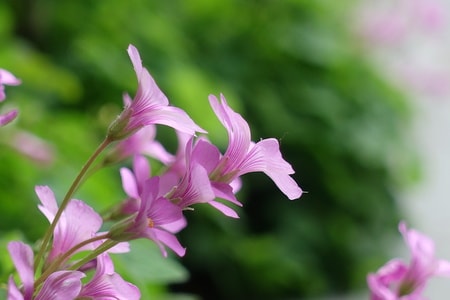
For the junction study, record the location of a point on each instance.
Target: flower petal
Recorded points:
(61, 285)
(229, 212)
(387, 276)
(13, 291)
(8, 78)
(238, 132)
(48, 205)
(265, 156)
(129, 183)
(22, 256)
(78, 223)
(170, 240)
(8, 117)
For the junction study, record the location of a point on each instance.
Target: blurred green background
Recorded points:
(292, 68)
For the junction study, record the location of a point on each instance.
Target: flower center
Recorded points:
(150, 224)
(406, 288)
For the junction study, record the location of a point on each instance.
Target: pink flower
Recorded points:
(195, 186)
(149, 106)
(156, 219)
(208, 156)
(32, 147)
(78, 222)
(243, 156)
(60, 285)
(397, 280)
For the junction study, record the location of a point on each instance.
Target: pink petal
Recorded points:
(49, 206)
(62, 285)
(388, 275)
(8, 78)
(162, 211)
(421, 247)
(265, 156)
(13, 291)
(141, 169)
(148, 94)
(129, 183)
(170, 241)
(78, 223)
(238, 132)
(106, 284)
(206, 154)
(195, 187)
(135, 59)
(22, 256)
(174, 227)
(8, 117)
(225, 191)
(224, 209)
(442, 268)
(32, 147)
(170, 116)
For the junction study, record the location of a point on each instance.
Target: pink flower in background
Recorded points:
(60, 285)
(392, 22)
(149, 106)
(399, 33)
(431, 14)
(32, 147)
(6, 78)
(398, 280)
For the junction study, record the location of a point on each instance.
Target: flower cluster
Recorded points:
(398, 280)
(72, 260)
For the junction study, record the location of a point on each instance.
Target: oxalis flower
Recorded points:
(156, 219)
(242, 156)
(397, 280)
(149, 106)
(60, 285)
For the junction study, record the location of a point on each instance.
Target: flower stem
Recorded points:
(67, 197)
(108, 244)
(60, 260)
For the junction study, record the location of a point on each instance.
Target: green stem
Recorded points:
(99, 250)
(60, 260)
(67, 197)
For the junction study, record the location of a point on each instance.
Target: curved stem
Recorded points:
(70, 192)
(60, 260)
(99, 250)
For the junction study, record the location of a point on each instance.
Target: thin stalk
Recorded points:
(60, 260)
(67, 197)
(99, 250)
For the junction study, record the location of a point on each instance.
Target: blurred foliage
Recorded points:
(294, 71)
